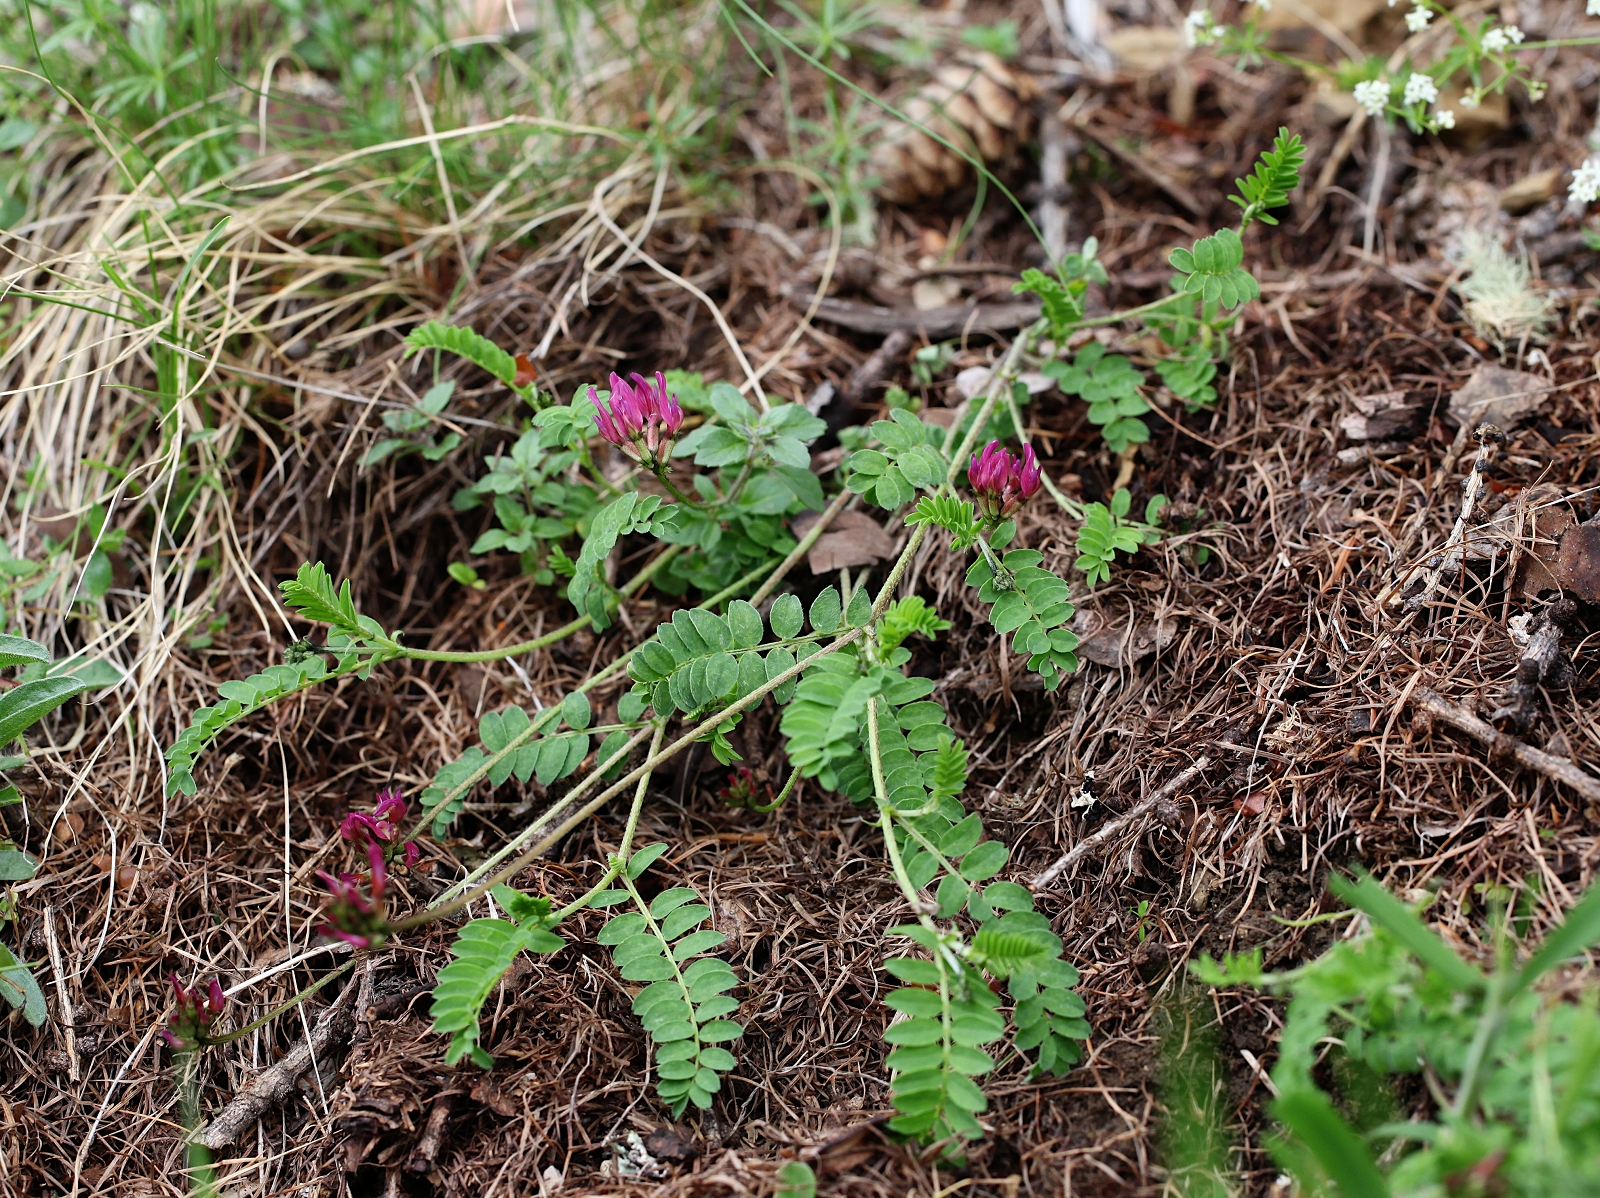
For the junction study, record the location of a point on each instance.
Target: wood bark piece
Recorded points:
(427, 1153)
(864, 377)
(1542, 664)
(276, 1083)
(1560, 769)
(1113, 827)
(1490, 441)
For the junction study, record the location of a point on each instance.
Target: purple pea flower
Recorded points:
(192, 1014)
(383, 826)
(355, 909)
(1002, 481)
(642, 419)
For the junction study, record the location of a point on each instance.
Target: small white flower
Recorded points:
(1594, 8)
(1536, 89)
(1417, 19)
(1471, 98)
(1498, 41)
(1266, 5)
(1444, 119)
(1373, 95)
(1421, 89)
(1585, 187)
(1200, 28)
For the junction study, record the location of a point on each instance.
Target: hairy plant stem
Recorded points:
(897, 863)
(548, 715)
(655, 759)
(625, 848)
(1489, 1024)
(202, 1176)
(633, 586)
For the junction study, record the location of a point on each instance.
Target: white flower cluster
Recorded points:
(1594, 8)
(1417, 19)
(1585, 187)
(1421, 89)
(1471, 98)
(1200, 28)
(1444, 119)
(1498, 41)
(1373, 95)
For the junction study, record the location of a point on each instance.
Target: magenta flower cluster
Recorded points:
(382, 827)
(355, 911)
(193, 1012)
(1002, 481)
(642, 418)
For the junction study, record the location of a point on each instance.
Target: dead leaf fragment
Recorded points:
(1578, 562)
(1146, 49)
(1528, 193)
(853, 539)
(1108, 644)
(1347, 16)
(1381, 417)
(1499, 396)
(1545, 517)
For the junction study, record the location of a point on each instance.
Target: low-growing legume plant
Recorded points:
(979, 967)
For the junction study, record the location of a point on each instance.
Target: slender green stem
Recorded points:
(202, 1177)
(633, 587)
(783, 795)
(666, 945)
(887, 814)
(664, 477)
(1066, 505)
(443, 906)
(294, 1002)
(1489, 1024)
(626, 848)
(1130, 313)
(655, 759)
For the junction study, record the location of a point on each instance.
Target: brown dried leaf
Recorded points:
(853, 539)
(1545, 522)
(1578, 562)
(1499, 396)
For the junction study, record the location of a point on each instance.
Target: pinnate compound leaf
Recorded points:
(684, 1005)
(484, 950)
(465, 343)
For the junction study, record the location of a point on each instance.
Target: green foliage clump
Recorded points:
(1515, 1073)
(1107, 530)
(1109, 384)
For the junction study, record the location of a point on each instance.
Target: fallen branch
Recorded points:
(277, 1083)
(1138, 811)
(1560, 769)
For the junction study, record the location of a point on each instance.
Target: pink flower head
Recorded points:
(193, 1012)
(382, 826)
(354, 916)
(1002, 481)
(741, 787)
(642, 419)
